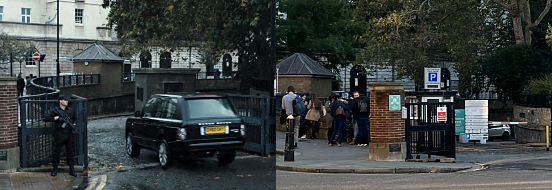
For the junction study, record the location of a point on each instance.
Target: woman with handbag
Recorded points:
(316, 111)
(338, 109)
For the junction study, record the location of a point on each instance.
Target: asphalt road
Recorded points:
(112, 168)
(518, 173)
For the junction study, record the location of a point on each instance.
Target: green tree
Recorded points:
(511, 68)
(318, 28)
(523, 19)
(12, 48)
(215, 26)
(540, 85)
(410, 35)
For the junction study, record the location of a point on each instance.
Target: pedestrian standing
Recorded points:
(302, 128)
(338, 110)
(316, 111)
(287, 104)
(329, 119)
(20, 85)
(63, 118)
(361, 113)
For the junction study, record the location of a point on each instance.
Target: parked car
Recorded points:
(198, 125)
(499, 131)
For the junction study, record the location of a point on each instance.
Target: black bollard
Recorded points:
(289, 151)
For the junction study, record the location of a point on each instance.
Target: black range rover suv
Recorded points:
(199, 125)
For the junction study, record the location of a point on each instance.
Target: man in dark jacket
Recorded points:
(339, 121)
(20, 85)
(63, 118)
(361, 112)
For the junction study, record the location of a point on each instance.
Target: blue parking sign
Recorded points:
(432, 77)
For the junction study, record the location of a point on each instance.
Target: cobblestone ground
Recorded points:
(108, 158)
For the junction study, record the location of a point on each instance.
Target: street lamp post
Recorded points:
(57, 59)
(273, 40)
(20, 61)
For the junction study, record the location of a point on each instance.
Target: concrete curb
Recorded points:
(373, 170)
(49, 168)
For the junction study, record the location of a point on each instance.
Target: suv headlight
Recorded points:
(181, 134)
(242, 130)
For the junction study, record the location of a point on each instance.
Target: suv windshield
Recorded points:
(215, 107)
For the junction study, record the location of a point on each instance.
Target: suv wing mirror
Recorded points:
(138, 114)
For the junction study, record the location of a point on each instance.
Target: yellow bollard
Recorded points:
(547, 138)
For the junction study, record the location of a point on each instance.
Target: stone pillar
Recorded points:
(387, 133)
(9, 150)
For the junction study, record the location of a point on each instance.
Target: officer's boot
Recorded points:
(54, 171)
(72, 170)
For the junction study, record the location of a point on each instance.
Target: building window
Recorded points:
(25, 15)
(29, 60)
(1, 12)
(165, 61)
(78, 16)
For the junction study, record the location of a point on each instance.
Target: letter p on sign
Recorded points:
(432, 77)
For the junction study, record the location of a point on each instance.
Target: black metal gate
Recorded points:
(259, 114)
(35, 135)
(426, 133)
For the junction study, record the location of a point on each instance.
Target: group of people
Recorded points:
(23, 84)
(309, 122)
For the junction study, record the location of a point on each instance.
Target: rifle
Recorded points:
(65, 118)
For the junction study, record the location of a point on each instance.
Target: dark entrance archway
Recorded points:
(145, 60)
(227, 65)
(165, 60)
(357, 80)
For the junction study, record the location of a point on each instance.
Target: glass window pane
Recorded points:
(29, 12)
(0, 17)
(29, 19)
(1, 9)
(22, 11)
(216, 107)
(22, 18)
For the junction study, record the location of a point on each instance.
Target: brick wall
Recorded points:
(306, 84)
(385, 126)
(8, 113)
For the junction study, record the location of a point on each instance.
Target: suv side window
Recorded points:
(150, 108)
(172, 109)
(168, 109)
(161, 111)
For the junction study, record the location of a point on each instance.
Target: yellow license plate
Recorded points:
(215, 130)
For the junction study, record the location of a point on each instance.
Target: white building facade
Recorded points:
(82, 23)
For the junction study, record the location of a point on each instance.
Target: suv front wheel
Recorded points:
(226, 157)
(164, 154)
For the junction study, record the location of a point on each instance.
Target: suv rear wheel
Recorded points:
(164, 154)
(226, 157)
(133, 150)
(505, 136)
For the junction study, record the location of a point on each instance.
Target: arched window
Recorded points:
(145, 60)
(165, 60)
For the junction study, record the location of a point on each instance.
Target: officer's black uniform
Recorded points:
(63, 136)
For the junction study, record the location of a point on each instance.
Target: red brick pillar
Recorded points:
(9, 150)
(386, 126)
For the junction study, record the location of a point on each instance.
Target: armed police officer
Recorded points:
(63, 118)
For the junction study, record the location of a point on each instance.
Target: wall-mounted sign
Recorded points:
(394, 102)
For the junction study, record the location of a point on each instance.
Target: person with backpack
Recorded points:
(361, 112)
(338, 110)
(295, 107)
